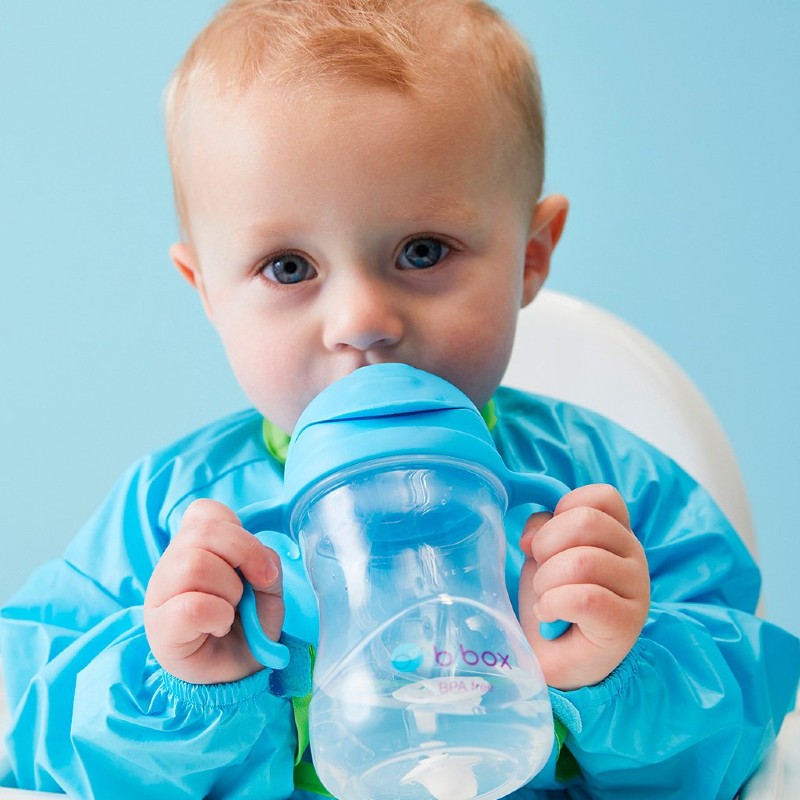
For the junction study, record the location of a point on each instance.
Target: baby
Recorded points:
(358, 182)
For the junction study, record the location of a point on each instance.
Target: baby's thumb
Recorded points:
(261, 567)
(532, 526)
(263, 572)
(528, 600)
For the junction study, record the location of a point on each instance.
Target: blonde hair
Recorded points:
(410, 46)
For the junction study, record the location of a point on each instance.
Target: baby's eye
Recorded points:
(288, 268)
(422, 253)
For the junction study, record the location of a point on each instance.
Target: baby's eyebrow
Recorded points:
(445, 209)
(258, 230)
(428, 211)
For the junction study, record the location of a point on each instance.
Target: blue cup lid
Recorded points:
(381, 411)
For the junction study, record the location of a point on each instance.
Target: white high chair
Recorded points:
(569, 349)
(575, 351)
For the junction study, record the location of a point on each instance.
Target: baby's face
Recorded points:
(359, 227)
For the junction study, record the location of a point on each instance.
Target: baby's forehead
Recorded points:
(451, 55)
(452, 91)
(225, 140)
(354, 109)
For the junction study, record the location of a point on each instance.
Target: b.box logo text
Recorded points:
(489, 658)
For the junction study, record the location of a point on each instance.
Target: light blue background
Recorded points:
(673, 128)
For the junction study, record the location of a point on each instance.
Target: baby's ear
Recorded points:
(547, 224)
(184, 257)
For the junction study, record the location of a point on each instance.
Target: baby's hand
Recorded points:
(190, 606)
(583, 565)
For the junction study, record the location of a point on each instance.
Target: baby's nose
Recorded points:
(363, 316)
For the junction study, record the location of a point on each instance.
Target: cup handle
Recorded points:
(544, 491)
(257, 517)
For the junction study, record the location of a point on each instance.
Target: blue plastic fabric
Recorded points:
(689, 712)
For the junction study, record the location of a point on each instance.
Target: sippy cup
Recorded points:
(424, 685)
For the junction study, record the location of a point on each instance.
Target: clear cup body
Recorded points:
(424, 684)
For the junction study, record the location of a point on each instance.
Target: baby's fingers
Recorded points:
(592, 565)
(602, 616)
(213, 527)
(183, 622)
(599, 496)
(584, 526)
(193, 569)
